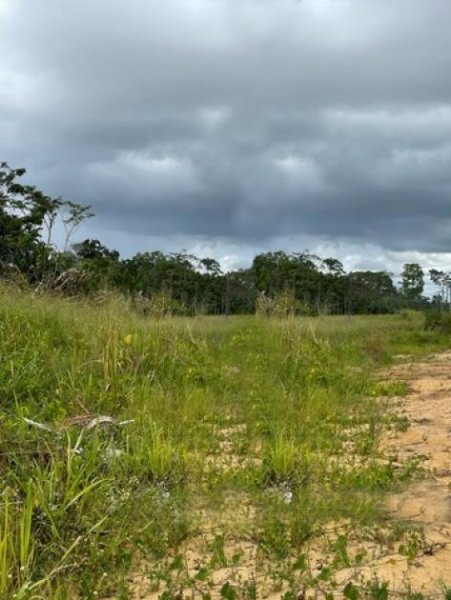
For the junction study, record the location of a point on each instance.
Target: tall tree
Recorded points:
(27, 216)
(442, 280)
(370, 292)
(412, 282)
(24, 213)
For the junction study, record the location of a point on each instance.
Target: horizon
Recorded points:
(232, 129)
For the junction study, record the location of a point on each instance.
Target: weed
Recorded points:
(286, 461)
(437, 321)
(447, 593)
(217, 548)
(228, 591)
(280, 415)
(413, 545)
(351, 592)
(377, 590)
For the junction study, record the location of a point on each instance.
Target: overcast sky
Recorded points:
(230, 127)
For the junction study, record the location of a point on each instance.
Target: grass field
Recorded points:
(249, 438)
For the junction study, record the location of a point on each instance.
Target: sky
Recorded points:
(233, 127)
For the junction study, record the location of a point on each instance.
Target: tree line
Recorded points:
(180, 283)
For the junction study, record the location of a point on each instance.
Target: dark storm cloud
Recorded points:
(236, 120)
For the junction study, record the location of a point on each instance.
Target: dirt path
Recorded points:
(420, 559)
(426, 503)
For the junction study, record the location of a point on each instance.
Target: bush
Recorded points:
(283, 304)
(436, 321)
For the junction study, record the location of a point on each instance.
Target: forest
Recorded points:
(277, 283)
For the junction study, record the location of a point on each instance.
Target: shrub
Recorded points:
(436, 321)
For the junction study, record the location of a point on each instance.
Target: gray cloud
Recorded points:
(239, 124)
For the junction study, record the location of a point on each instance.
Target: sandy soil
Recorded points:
(426, 504)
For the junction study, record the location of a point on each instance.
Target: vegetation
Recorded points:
(165, 450)
(276, 283)
(244, 430)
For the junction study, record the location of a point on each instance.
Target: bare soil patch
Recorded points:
(419, 561)
(427, 502)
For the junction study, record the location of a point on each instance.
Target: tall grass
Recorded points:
(80, 508)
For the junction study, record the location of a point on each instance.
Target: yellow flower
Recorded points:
(128, 339)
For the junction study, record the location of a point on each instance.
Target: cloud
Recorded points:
(227, 124)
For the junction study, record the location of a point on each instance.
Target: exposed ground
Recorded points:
(262, 458)
(421, 563)
(418, 562)
(427, 502)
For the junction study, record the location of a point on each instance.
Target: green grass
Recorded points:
(260, 411)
